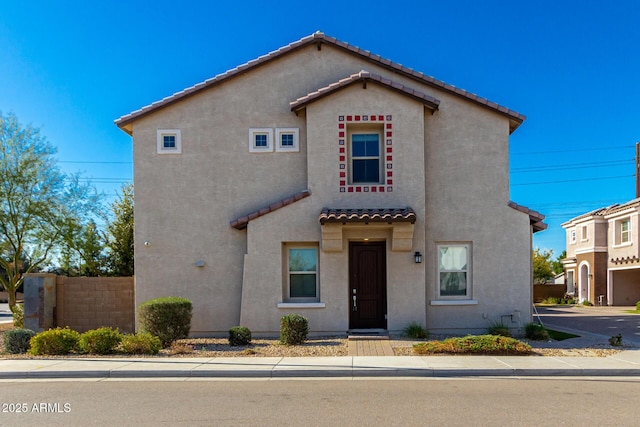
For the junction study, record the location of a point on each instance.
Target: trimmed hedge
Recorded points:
(100, 341)
(167, 318)
(239, 335)
(58, 341)
(140, 343)
(17, 341)
(294, 329)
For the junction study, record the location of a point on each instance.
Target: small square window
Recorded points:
(169, 141)
(260, 140)
(287, 139)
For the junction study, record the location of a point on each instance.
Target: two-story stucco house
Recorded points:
(603, 255)
(325, 180)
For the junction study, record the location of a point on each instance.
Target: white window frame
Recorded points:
(287, 273)
(288, 148)
(572, 236)
(252, 140)
(161, 149)
(360, 129)
(469, 294)
(623, 236)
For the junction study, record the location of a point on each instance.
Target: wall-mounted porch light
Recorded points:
(418, 257)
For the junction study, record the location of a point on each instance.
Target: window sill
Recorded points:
(454, 302)
(623, 245)
(301, 305)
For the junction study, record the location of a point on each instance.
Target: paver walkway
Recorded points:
(370, 346)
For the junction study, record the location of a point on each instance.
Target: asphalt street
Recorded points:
(606, 321)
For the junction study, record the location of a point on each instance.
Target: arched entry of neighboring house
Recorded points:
(583, 282)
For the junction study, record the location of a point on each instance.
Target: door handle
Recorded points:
(355, 305)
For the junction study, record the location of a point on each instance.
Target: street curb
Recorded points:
(341, 373)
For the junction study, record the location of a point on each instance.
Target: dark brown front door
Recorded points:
(367, 285)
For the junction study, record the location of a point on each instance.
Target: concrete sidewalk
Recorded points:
(625, 363)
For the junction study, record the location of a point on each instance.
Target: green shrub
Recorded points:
(551, 300)
(18, 316)
(474, 344)
(616, 340)
(99, 341)
(499, 329)
(140, 343)
(239, 335)
(587, 303)
(416, 331)
(167, 318)
(536, 332)
(294, 329)
(638, 306)
(16, 341)
(54, 341)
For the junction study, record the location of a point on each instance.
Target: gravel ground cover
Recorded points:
(324, 347)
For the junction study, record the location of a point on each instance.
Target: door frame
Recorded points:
(353, 284)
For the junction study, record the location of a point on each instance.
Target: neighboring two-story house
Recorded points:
(325, 180)
(603, 255)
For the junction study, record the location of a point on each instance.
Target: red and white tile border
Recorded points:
(387, 152)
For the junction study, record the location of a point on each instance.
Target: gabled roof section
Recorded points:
(329, 215)
(242, 222)
(602, 212)
(364, 77)
(535, 218)
(319, 38)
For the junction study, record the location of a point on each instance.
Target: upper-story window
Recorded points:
(625, 231)
(572, 236)
(261, 140)
(287, 139)
(169, 141)
(583, 235)
(365, 154)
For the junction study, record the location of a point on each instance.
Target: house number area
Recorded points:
(42, 407)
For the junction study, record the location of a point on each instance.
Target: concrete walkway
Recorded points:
(625, 363)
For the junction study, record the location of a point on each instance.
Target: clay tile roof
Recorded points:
(242, 222)
(535, 217)
(329, 215)
(364, 76)
(318, 38)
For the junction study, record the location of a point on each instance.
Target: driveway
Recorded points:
(605, 321)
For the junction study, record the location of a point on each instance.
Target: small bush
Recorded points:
(294, 329)
(536, 332)
(499, 329)
(239, 335)
(16, 341)
(416, 331)
(616, 340)
(180, 348)
(167, 318)
(474, 344)
(140, 343)
(638, 306)
(551, 300)
(587, 303)
(18, 316)
(100, 341)
(56, 341)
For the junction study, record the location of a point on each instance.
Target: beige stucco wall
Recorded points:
(451, 167)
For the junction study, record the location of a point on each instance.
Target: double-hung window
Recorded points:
(625, 231)
(453, 271)
(366, 157)
(302, 274)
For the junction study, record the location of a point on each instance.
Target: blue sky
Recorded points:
(572, 67)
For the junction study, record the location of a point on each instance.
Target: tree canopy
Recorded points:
(40, 206)
(545, 267)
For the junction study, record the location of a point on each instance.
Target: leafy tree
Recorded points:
(120, 234)
(557, 264)
(38, 203)
(83, 254)
(542, 266)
